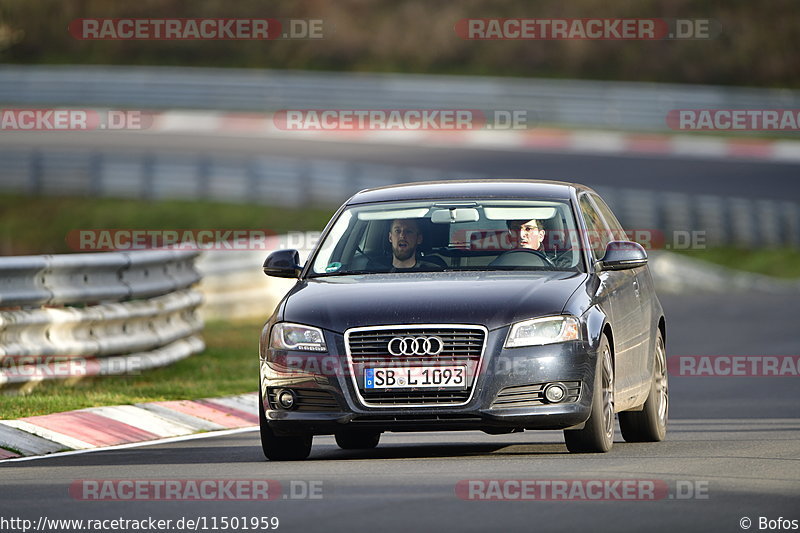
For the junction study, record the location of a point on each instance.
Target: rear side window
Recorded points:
(598, 233)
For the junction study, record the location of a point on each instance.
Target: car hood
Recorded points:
(492, 299)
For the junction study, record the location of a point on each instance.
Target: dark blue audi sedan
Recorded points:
(493, 305)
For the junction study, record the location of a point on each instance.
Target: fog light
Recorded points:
(284, 398)
(555, 392)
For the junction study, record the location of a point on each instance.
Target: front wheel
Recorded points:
(277, 448)
(597, 435)
(650, 424)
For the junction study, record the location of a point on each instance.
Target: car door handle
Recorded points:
(636, 287)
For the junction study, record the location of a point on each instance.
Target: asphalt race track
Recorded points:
(732, 449)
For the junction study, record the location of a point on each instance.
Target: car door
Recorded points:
(641, 290)
(616, 297)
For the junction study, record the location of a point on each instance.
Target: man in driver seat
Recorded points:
(529, 234)
(526, 234)
(405, 236)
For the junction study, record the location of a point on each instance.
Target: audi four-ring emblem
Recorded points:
(415, 346)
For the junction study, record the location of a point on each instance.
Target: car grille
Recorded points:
(531, 395)
(459, 345)
(307, 400)
(462, 346)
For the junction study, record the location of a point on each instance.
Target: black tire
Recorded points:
(597, 435)
(650, 424)
(358, 440)
(278, 448)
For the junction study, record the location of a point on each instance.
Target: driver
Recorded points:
(527, 234)
(405, 236)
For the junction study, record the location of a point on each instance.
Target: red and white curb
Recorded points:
(542, 139)
(98, 427)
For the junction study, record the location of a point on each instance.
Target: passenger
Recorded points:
(405, 237)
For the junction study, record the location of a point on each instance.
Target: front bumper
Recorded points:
(330, 403)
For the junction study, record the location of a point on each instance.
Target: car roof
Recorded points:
(457, 189)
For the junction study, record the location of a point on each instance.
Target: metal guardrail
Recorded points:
(682, 220)
(105, 313)
(100, 277)
(306, 182)
(627, 105)
(98, 330)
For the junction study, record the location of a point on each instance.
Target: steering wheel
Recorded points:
(563, 259)
(507, 259)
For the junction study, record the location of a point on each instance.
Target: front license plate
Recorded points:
(454, 377)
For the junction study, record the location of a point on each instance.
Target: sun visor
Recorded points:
(391, 214)
(519, 213)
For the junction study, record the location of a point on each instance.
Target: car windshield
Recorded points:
(438, 235)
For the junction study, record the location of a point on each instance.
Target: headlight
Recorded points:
(287, 336)
(547, 330)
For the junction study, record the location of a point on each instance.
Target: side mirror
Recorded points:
(621, 255)
(283, 264)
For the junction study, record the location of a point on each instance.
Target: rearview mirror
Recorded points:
(283, 264)
(453, 215)
(621, 255)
